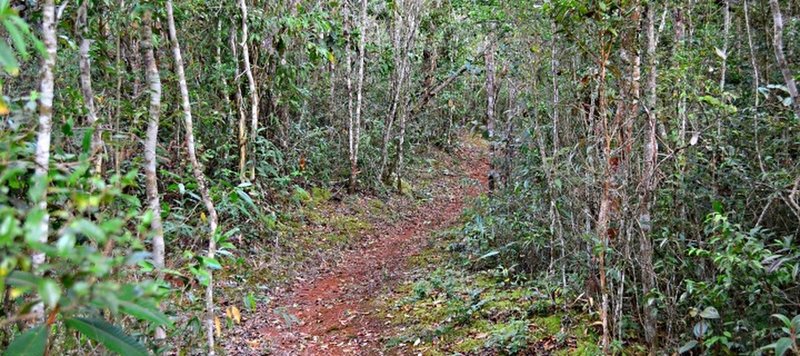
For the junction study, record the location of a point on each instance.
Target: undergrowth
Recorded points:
(452, 309)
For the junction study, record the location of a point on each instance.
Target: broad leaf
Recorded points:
(29, 343)
(49, 292)
(710, 313)
(687, 346)
(141, 312)
(23, 280)
(109, 335)
(783, 345)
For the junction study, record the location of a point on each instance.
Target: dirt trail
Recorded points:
(333, 314)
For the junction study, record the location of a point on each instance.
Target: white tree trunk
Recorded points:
(197, 170)
(753, 59)
(411, 18)
(726, 27)
(240, 110)
(346, 18)
(648, 184)
(150, 144)
(253, 88)
(359, 98)
(490, 105)
(95, 154)
(42, 158)
(777, 44)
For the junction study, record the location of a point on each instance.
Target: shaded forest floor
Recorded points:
(332, 307)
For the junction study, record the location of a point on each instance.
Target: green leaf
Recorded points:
(50, 292)
(687, 346)
(24, 280)
(89, 229)
(29, 343)
(783, 319)
(211, 263)
(141, 312)
(710, 313)
(16, 38)
(109, 335)
(7, 59)
(783, 345)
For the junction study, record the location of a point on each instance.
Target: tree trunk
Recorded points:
(555, 216)
(197, 170)
(253, 89)
(95, 154)
(412, 11)
(359, 98)
(351, 136)
(777, 43)
(397, 83)
(753, 59)
(726, 27)
(648, 185)
(605, 199)
(490, 105)
(42, 155)
(150, 144)
(240, 108)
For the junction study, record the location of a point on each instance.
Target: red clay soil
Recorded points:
(334, 314)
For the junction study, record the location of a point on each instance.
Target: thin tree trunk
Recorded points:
(42, 157)
(397, 83)
(725, 34)
(240, 109)
(555, 215)
(603, 217)
(253, 89)
(411, 26)
(777, 43)
(197, 170)
(86, 88)
(648, 186)
(753, 59)
(118, 109)
(351, 135)
(150, 144)
(490, 105)
(359, 97)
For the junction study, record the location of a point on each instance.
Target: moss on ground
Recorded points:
(450, 310)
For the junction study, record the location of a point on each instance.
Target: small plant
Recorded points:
(790, 328)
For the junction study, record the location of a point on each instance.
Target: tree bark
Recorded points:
(42, 155)
(150, 144)
(777, 43)
(603, 217)
(411, 26)
(398, 78)
(490, 106)
(753, 59)
(726, 27)
(351, 136)
(240, 109)
(648, 185)
(197, 170)
(253, 89)
(95, 154)
(359, 98)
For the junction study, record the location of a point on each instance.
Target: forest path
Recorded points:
(334, 314)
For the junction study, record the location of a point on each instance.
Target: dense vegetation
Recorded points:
(644, 163)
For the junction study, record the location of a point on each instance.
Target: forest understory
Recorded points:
(435, 177)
